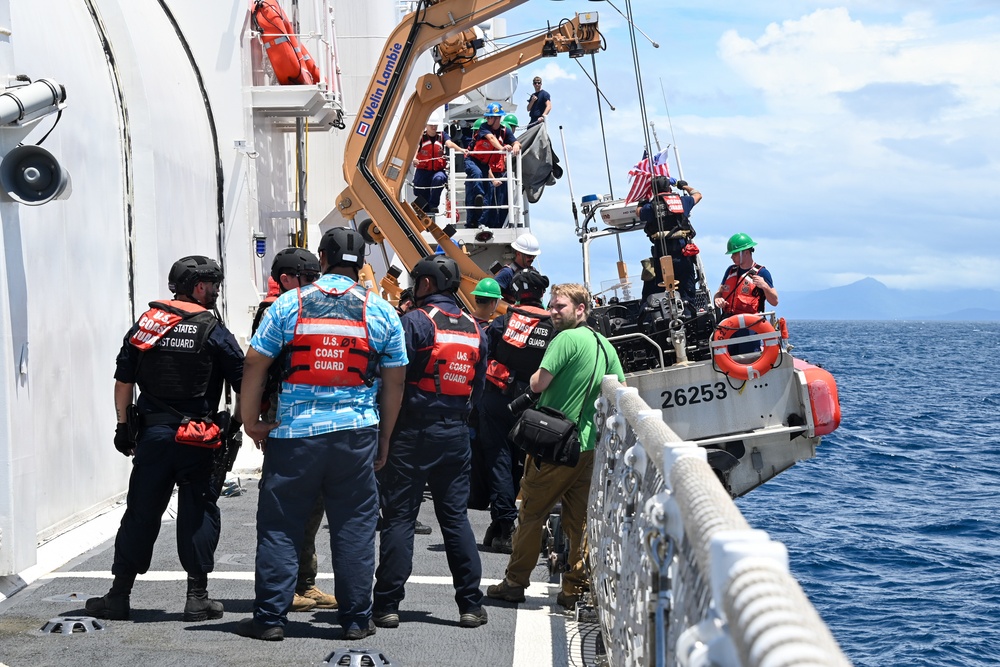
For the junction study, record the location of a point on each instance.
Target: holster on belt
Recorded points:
(133, 418)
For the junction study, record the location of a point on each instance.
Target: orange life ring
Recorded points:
(759, 368)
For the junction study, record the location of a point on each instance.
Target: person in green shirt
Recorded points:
(569, 380)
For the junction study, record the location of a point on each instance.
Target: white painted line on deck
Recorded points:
(60, 550)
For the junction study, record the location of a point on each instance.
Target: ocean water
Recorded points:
(894, 528)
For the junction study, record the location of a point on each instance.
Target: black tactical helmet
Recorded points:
(343, 247)
(294, 261)
(529, 285)
(443, 270)
(189, 271)
(661, 184)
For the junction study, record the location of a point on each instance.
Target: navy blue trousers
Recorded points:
(159, 463)
(500, 454)
(340, 466)
(428, 185)
(473, 170)
(433, 452)
(496, 195)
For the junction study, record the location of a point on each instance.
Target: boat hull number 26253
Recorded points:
(703, 393)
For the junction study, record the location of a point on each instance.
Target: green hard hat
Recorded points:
(487, 287)
(510, 120)
(739, 242)
(478, 124)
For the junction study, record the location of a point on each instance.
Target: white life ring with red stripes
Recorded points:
(759, 325)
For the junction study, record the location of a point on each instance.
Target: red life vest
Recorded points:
(330, 346)
(171, 336)
(430, 155)
(522, 346)
(451, 368)
(741, 295)
(161, 317)
(290, 61)
(485, 152)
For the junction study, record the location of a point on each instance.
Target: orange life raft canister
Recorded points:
(720, 352)
(290, 61)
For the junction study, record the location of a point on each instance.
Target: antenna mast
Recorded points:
(673, 140)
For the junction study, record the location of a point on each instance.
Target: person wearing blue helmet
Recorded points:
(486, 166)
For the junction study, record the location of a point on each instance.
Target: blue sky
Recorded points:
(849, 139)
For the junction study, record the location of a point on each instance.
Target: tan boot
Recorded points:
(300, 603)
(322, 600)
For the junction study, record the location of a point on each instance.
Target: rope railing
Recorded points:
(679, 577)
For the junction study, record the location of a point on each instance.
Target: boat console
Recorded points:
(642, 334)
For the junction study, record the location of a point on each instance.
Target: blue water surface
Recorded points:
(894, 528)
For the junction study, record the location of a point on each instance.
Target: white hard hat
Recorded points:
(528, 244)
(436, 119)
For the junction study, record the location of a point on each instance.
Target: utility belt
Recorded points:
(206, 431)
(157, 419)
(674, 234)
(431, 416)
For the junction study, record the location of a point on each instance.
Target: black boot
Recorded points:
(504, 539)
(198, 606)
(115, 605)
(491, 532)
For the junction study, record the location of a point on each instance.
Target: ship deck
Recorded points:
(536, 632)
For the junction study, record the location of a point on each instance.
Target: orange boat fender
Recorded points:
(823, 397)
(735, 369)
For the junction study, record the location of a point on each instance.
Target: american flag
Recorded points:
(642, 176)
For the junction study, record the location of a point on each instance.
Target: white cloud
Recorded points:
(551, 72)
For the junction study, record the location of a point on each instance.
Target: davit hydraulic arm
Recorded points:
(374, 184)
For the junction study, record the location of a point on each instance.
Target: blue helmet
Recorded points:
(493, 109)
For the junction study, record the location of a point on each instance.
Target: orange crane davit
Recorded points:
(374, 183)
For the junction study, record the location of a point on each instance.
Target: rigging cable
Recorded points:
(604, 140)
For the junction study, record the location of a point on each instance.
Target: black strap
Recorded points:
(593, 379)
(173, 411)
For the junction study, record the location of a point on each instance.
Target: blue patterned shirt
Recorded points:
(308, 410)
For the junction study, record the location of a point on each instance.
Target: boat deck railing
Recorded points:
(679, 577)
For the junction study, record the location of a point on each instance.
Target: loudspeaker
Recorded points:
(31, 175)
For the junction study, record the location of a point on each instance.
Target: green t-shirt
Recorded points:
(570, 357)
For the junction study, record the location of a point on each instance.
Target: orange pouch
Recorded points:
(199, 433)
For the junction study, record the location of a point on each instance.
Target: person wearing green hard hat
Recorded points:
(746, 286)
(487, 295)
(510, 122)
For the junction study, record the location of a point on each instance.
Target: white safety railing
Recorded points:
(511, 180)
(679, 577)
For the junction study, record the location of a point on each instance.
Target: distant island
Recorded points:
(868, 299)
